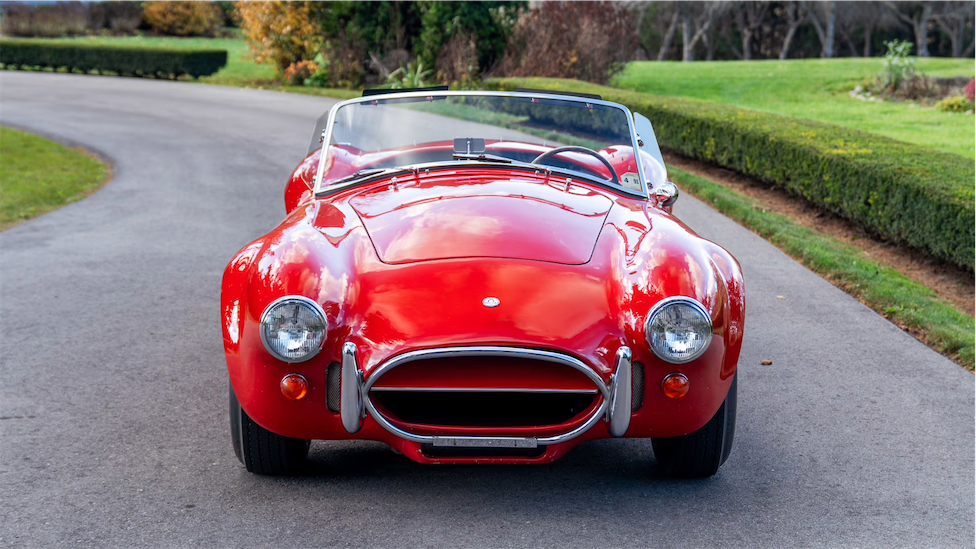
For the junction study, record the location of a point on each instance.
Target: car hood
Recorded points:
(446, 216)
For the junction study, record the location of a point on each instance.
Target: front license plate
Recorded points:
(487, 442)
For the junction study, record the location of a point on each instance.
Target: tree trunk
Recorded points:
(687, 46)
(668, 37)
(825, 31)
(956, 41)
(922, 30)
(786, 41)
(919, 24)
(795, 19)
(828, 47)
(953, 22)
(747, 44)
(868, 29)
(709, 48)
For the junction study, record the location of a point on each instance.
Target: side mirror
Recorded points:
(665, 195)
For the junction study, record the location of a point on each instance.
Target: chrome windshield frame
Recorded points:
(318, 190)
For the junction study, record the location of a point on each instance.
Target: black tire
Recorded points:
(700, 454)
(261, 451)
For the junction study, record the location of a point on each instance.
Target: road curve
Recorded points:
(113, 390)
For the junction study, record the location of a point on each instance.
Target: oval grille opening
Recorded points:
(485, 392)
(483, 409)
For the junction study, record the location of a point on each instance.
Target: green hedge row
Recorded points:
(906, 193)
(125, 60)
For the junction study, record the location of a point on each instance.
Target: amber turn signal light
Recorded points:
(294, 386)
(675, 385)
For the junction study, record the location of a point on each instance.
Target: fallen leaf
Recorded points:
(781, 297)
(765, 362)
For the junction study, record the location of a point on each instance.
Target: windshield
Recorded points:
(576, 136)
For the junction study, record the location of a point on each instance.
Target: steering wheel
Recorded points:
(613, 174)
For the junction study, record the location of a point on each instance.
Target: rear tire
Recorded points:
(701, 453)
(261, 451)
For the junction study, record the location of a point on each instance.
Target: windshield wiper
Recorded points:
(483, 157)
(358, 175)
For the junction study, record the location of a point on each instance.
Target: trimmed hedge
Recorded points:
(125, 60)
(908, 194)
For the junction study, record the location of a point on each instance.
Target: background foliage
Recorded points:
(184, 18)
(584, 40)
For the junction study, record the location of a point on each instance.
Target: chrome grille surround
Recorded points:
(601, 412)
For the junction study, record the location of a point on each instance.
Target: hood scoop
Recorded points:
(467, 218)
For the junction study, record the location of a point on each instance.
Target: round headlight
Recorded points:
(293, 328)
(678, 329)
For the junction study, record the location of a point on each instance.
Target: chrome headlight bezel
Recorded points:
(309, 304)
(660, 307)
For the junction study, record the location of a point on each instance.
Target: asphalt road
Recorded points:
(113, 390)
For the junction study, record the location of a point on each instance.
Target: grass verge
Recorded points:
(37, 176)
(906, 303)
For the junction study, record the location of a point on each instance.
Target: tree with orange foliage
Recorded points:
(184, 18)
(281, 33)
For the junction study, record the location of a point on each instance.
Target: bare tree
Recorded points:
(668, 37)
(870, 17)
(748, 18)
(794, 18)
(697, 15)
(823, 16)
(955, 18)
(849, 22)
(639, 11)
(917, 16)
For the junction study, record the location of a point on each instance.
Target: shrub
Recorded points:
(908, 194)
(971, 90)
(457, 61)
(118, 17)
(584, 40)
(298, 72)
(344, 58)
(319, 76)
(45, 20)
(184, 18)
(125, 60)
(898, 66)
(488, 24)
(956, 103)
(411, 76)
(281, 33)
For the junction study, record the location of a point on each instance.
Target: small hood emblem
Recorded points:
(491, 302)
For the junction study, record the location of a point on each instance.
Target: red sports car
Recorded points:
(482, 277)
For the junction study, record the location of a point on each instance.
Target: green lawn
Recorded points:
(37, 176)
(816, 89)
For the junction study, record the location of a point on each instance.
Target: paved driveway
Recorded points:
(113, 412)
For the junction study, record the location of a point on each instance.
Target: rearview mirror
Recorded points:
(469, 145)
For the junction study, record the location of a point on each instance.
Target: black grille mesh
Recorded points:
(637, 386)
(334, 389)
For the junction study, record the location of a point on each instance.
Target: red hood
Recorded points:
(444, 216)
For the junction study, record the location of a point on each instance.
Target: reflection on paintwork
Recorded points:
(399, 268)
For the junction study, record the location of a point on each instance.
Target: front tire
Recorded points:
(261, 451)
(701, 453)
